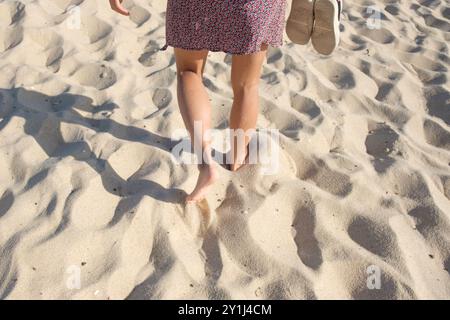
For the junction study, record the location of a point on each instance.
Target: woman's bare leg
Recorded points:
(245, 78)
(195, 109)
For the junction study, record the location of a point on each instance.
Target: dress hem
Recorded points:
(216, 49)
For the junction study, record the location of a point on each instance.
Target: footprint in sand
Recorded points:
(50, 50)
(392, 9)
(99, 34)
(323, 176)
(446, 12)
(436, 135)
(373, 236)
(274, 55)
(295, 74)
(434, 22)
(433, 224)
(139, 15)
(305, 106)
(150, 56)
(426, 218)
(380, 144)
(407, 183)
(286, 121)
(392, 289)
(438, 103)
(98, 76)
(422, 62)
(337, 73)
(357, 43)
(431, 78)
(96, 29)
(381, 36)
(407, 47)
(308, 247)
(162, 98)
(10, 37)
(11, 12)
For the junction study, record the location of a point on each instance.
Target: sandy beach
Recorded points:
(92, 199)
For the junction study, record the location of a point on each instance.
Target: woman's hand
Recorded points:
(117, 6)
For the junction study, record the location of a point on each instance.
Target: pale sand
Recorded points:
(88, 185)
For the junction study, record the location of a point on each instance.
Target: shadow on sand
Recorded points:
(43, 117)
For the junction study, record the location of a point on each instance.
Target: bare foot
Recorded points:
(239, 163)
(207, 176)
(235, 166)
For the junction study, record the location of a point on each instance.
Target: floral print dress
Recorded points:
(231, 26)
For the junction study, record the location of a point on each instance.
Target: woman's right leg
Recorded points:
(195, 109)
(245, 78)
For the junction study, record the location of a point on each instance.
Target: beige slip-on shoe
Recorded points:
(300, 22)
(325, 34)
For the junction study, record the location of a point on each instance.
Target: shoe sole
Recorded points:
(300, 22)
(325, 35)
